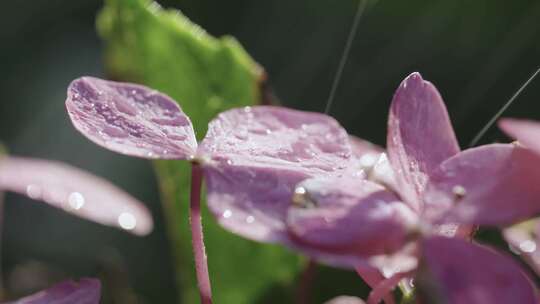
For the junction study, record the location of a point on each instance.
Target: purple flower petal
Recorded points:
(526, 132)
(490, 185)
(458, 272)
(130, 119)
(74, 191)
(251, 201)
(349, 216)
(86, 291)
(523, 239)
(420, 136)
(254, 157)
(267, 136)
(345, 300)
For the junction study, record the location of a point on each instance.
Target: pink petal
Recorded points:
(254, 157)
(345, 300)
(267, 136)
(251, 201)
(86, 291)
(526, 132)
(420, 136)
(458, 272)
(349, 216)
(523, 239)
(130, 119)
(74, 191)
(490, 185)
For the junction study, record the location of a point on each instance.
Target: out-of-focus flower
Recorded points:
(74, 191)
(85, 291)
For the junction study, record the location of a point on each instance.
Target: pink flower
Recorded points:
(490, 185)
(279, 175)
(253, 158)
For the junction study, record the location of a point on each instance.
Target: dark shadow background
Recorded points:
(476, 52)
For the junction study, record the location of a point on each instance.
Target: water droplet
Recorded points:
(150, 154)
(76, 200)
(127, 221)
(367, 161)
(250, 219)
(230, 162)
(247, 109)
(459, 191)
(527, 246)
(300, 198)
(227, 214)
(34, 191)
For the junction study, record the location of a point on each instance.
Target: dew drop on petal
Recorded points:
(527, 246)
(250, 219)
(127, 221)
(367, 161)
(76, 200)
(459, 191)
(33, 191)
(298, 196)
(227, 214)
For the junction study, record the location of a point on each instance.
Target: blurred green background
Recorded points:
(476, 52)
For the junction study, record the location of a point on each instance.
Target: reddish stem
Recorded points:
(303, 293)
(385, 287)
(201, 266)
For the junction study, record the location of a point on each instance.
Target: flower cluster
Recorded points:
(405, 214)
(296, 178)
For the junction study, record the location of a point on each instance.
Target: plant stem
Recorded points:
(201, 266)
(305, 286)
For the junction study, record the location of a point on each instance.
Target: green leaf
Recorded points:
(164, 50)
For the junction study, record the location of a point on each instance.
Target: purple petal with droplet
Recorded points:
(130, 119)
(489, 185)
(251, 201)
(349, 216)
(420, 136)
(254, 157)
(345, 300)
(458, 272)
(523, 239)
(85, 291)
(75, 191)
(267, 136)
(527, 132)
